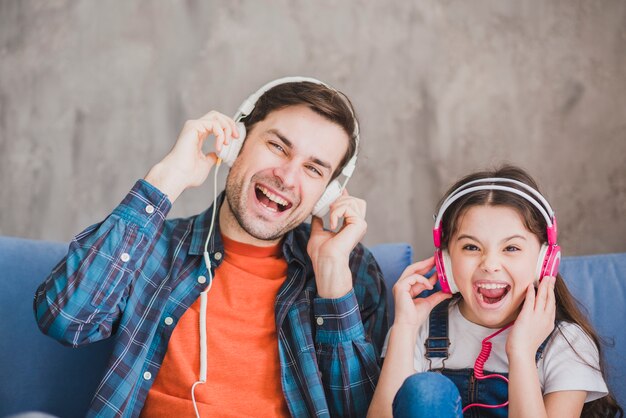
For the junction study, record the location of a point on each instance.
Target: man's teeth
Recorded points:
(271, 196)
(491, 285)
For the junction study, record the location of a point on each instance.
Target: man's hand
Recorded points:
(186, 165)
(409, 310)
(330, 251)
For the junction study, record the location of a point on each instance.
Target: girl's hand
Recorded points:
(534, 322)
(410, 310)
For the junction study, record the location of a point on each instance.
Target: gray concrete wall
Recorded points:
(93, 93)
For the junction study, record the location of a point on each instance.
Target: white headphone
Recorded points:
(229, 152)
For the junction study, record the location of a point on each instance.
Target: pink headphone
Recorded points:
(549, 256)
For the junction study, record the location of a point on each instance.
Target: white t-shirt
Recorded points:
(560, 368)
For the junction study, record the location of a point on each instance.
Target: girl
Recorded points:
(505, 343)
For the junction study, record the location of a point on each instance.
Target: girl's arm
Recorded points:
(567, 403)
(533, 325)
(397, 367)
(410, 314)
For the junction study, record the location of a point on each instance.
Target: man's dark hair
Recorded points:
(323, 100)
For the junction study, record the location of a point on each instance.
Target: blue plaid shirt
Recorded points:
(126, 275)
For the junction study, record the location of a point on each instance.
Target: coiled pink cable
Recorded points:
(479, 366)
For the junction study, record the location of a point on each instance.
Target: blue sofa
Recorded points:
(37, 373)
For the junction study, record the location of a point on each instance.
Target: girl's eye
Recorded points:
(511, 248)
(470, 247)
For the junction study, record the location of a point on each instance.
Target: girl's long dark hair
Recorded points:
(567, 308)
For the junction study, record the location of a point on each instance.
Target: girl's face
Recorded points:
(494, 258)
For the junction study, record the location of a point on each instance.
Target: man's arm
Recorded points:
(350, 310)
(85, 294)
(350, 332)
(83, 297)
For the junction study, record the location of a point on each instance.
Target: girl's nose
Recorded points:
(490, 263)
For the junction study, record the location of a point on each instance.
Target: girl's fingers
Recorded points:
(541, 300)
(420, 267)
(434, 299)
(551, 301)
(420, 286)
(529, 301)
(407, 283)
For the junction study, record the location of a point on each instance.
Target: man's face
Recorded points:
(285, 165)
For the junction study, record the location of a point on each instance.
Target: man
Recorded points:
(289, 318)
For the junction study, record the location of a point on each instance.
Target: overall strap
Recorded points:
(438, 342)
(545, 342)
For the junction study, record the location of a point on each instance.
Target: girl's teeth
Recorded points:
(491, 286)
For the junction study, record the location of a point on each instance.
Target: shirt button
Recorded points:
(149, 209)
(218, 255)
(125, 257)
(168, 320)
(320, 320)
(202, 280)
(147, 375)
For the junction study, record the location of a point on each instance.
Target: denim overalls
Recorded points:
(491, 391)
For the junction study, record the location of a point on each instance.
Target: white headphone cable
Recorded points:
(203, 297)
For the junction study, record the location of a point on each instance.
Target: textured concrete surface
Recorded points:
(93, 93)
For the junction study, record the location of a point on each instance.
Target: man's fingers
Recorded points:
(212, 157)
(350, 209)
(317, 224)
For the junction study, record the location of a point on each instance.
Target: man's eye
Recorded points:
(470, 247)
(314, 171)
(277, 147)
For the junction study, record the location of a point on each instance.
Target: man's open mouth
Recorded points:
(491, 293)
(270, 200)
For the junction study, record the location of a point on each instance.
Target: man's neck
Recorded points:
(230, 227)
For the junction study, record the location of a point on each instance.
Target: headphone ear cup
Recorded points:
(332, 193)
(443, 265)
(548, 262)
(540, 263)
(229, 152)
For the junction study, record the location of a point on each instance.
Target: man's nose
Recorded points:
(287, 173)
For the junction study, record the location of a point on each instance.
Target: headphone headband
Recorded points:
(546, 210)
(505, 180)
(248, 105)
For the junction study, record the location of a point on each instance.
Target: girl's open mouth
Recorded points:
(491, 293)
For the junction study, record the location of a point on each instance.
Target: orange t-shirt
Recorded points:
(243, 367)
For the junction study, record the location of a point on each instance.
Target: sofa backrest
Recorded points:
(36, 372)
(598, 282)
(39, 374)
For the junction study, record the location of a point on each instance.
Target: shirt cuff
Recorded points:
(338, 320)
(145, 206)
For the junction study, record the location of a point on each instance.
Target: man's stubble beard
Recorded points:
(235, 200)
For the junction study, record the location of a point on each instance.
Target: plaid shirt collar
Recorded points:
(294, 242)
